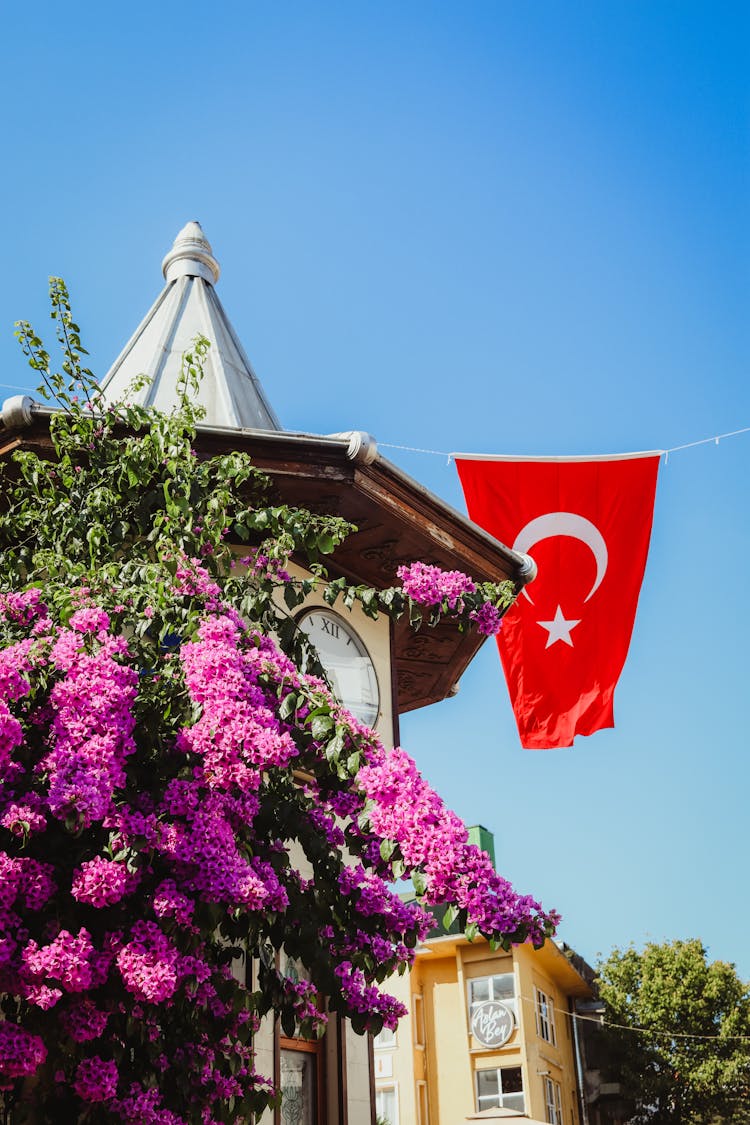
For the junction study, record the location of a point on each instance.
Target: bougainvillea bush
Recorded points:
(178, 799)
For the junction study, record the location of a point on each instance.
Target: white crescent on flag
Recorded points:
(575, 527)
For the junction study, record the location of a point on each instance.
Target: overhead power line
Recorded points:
(601, 1022)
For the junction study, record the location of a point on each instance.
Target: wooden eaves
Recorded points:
(398, 521)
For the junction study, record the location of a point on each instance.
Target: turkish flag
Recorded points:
(587, 525)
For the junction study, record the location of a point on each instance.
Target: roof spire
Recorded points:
(191, 256)
(230, 392)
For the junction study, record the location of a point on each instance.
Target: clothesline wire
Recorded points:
(416, 449)
(708, 440)
(640, 1030)
(453, 455)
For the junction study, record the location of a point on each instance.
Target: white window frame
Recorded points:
(545, 1017)
(509, 1001)
(390, 1089)
(385, 1039)
(501, 1096)
(553, 1101)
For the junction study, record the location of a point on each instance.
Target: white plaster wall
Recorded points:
(358, 1078)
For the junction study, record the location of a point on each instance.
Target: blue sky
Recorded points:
(486, 227)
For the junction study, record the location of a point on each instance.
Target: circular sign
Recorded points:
(492, 1023)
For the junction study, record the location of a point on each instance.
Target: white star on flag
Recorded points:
(558, 629)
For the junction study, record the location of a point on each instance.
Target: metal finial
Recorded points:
(191, 255)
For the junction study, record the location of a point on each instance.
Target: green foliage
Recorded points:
(126, 498)
(690, 1065)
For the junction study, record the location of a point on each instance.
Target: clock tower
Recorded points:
(379, 669)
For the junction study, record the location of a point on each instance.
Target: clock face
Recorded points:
(346, 661)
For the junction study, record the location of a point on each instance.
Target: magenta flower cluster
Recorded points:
(92, 720)
(21, 1053)
(83, 1021)
(366, 998)
(238, 735)
(95, 1079)
(102, 882)
(14, 665)
(155, 813)
(487, 619)
(430, 586)
(406, 810)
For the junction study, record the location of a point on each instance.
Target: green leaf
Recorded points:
(335, 745)
(419, 879)
(449, 917)
(320, 727)
(333, 589)
(292, 596)
(288, 705)
(370, 602)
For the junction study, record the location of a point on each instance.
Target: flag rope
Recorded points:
(590, 457)
(416, 449)
(705, 441)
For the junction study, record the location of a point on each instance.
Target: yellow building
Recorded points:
(485, 1030)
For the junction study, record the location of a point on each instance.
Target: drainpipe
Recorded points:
(579, 1066)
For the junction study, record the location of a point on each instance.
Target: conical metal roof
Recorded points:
(187, 307)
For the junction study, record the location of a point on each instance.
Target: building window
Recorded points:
(500, 987)
(385, 1038)
(501, 1087)
(386, 1105)
(299, 1087)
(545, 1017)
(423, 1115)
(301, 1064)
(418, 1009)
(553, 1101)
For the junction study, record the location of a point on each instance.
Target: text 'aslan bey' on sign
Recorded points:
(492, 1023)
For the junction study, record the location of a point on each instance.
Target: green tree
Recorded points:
(681, 1051)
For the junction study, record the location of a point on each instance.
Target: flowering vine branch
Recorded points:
(179, 801)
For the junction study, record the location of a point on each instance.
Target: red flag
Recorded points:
(587, 524)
